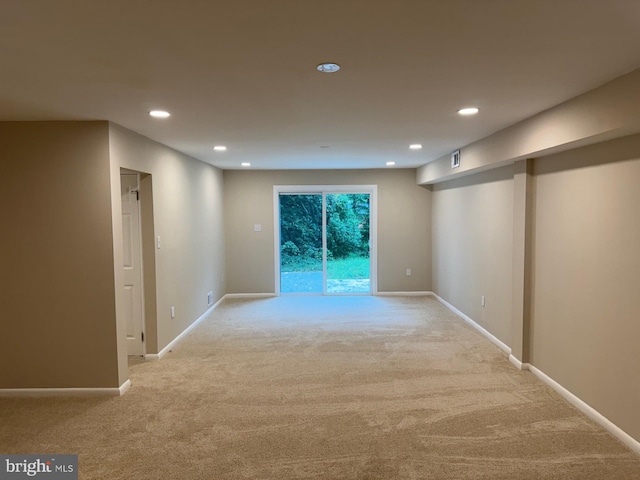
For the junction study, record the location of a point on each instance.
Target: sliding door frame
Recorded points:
(372, 190)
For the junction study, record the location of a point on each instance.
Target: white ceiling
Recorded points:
(241, 73)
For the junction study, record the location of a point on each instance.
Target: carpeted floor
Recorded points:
(324, 388)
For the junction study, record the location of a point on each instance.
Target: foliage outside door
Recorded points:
(325, 243)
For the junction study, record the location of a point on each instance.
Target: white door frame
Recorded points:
(372, 190)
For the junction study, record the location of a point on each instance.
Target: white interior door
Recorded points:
(132, 264)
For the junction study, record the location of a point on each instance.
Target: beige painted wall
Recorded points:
(585, 323)
(57, 284)
(59, 188)
(472, 247)
(584, 264)
(606, 112)
(403, 225)
(188, 217)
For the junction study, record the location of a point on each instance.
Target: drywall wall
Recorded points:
(472, 225)
(606, 112)
(57, 283)
(62, 240)
(403, 225)
(148, 245)
(585, 319)
(188, 216)
(521, 260)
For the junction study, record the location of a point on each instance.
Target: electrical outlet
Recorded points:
(173, 311)
(158, 241)
(210, 298)
(482, 302)
(408, 272)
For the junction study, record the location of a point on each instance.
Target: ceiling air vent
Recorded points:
(455, 159)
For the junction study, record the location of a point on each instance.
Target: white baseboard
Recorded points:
(185, 332)
(501, 345)
(379, 294)
(66, 392)
(585, 408)
(404, 294)
(124, 388)
(519, 365)
(589, 411)
(249, 295)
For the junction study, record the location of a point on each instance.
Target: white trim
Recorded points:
(581, 405)
(143, 325)
(501, 345)
(66, 392)
(124, 388)
(185, 332)
(276, 239)
(249, 295)
(519, 365)
(173, 343)
(589, 411)
(405, 294)
(373, 239)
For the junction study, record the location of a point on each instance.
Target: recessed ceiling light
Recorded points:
(245, 164)
(390, 164)
(468, 111)
(219, 148)
(159, 114)
(328, 67)
(415, 146)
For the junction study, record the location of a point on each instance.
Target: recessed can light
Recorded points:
(219, 148)
(159, 114)
(390, 164)
(415, 146)
(245, 164)
(328, 67)
(468, 111)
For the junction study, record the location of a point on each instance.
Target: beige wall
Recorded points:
(585, 323)
(57, 284)
(403, 225)
(581, 315)
(59, 192)
(472, 247)
(606, 112)
(187, 212)
(575, 231)
(148, 246)
(62, 240)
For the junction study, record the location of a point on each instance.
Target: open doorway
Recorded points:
(325, 240)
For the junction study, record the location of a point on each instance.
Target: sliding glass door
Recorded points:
(348, 246)
(324, 241)
(301, 247)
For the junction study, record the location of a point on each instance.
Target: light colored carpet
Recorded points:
(324, 388)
